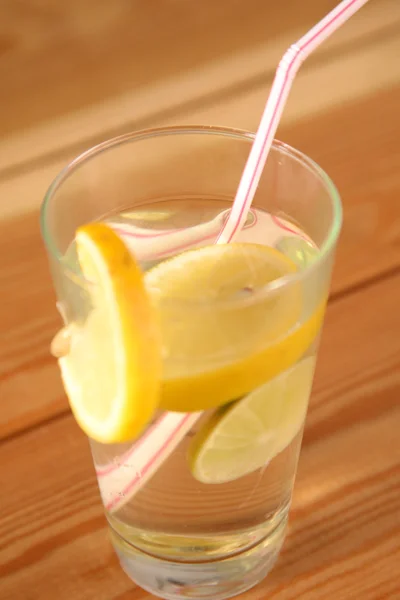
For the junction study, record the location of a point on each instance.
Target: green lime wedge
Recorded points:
(242, 437)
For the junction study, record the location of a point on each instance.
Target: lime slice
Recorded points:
(114, 357)
(244, 436)
(222, 336)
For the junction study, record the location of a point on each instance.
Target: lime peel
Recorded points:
(246, 435)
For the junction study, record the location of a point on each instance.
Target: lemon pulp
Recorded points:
(222, 334)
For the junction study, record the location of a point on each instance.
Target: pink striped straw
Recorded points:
(286, 71)
(124, 478)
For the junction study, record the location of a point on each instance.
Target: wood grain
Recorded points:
(357, 146)
(30, 387)
(227, 81)
(74, 73)
(52, 532)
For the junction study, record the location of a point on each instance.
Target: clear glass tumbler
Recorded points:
(205, 515)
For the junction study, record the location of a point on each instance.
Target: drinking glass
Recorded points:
(200, 523)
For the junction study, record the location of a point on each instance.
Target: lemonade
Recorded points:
(245, 366)
(188, 363)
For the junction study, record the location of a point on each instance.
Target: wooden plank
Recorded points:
(84, 84)
(105, 48)
(338, 83)
(346, 508)
(369, 247)
(30, 387)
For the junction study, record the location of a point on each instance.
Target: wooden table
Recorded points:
(74, 73)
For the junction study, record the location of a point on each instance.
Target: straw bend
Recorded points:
(285, 73)
(292, 60)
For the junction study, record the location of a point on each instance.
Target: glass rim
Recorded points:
(143, 134)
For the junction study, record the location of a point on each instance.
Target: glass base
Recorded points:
(216, 580)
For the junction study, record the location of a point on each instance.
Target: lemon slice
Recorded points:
(243, 437)
(222, 336)
(112, 371)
